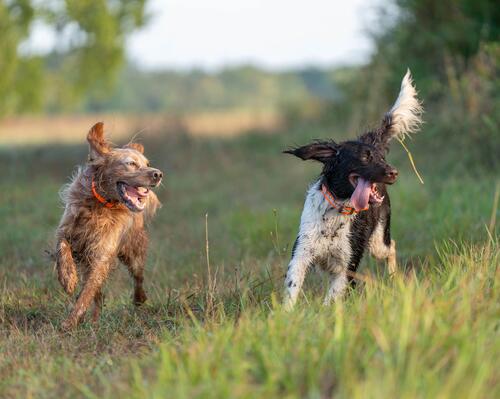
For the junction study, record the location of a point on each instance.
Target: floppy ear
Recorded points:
(319, 151)
(97, 142)
(136, 146)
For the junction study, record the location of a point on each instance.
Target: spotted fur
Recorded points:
(334, 241)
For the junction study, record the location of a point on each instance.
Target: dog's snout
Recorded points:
(392, 173)
(156, 174)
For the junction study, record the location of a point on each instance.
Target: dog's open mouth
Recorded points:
(133, 197)
(365, 193)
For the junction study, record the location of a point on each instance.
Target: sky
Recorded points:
(274, 34)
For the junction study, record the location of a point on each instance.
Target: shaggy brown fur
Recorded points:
(91, 235)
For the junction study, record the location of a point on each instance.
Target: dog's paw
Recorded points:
(68, 325)
(139, 297)
(288, 304)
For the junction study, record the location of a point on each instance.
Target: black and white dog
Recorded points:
(347, 209)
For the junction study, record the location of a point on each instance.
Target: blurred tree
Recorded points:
(15, 20)
(242, 87)
(433, 38)
(453, 50)
(89, 49)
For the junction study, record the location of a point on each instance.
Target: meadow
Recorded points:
(213, 326)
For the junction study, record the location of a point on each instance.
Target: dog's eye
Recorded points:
(133, 164)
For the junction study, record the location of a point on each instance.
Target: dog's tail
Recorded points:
(66, 267)
(405, 116)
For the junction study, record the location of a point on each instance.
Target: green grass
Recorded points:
(431, 333)
(420, 337)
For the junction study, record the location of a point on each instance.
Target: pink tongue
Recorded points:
(137, 192)
(132, 192)
(361, 195)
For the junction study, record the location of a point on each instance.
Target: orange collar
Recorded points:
(101, 199)
(344, 210)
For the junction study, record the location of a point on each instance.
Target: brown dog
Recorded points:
(106, 205)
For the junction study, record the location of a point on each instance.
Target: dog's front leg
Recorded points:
(297, 269)
(98, 304)
(66, 267)
(338, 284)
(97, 275)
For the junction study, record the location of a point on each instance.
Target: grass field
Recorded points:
(216, 329)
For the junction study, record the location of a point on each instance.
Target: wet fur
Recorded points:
(90, 237)
(337, 242)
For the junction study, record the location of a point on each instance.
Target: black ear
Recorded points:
(320, 151)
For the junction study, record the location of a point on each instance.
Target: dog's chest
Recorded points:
(327, 232)
(332, 237)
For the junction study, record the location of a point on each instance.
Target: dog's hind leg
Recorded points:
(297, 269)
(382, 247)
(136, 269)
(391, 259)
(133, 255)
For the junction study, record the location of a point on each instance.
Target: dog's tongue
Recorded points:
(136, 192)
(361, 194)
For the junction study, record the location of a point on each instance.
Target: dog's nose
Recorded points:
(156, 175)
(392, 173)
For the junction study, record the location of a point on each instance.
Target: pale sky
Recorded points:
(274, 34)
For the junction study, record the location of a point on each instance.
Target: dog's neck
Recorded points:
(101, 199)
(340, 206)
(334, 186)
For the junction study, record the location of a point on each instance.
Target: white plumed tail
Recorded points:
(405, 114)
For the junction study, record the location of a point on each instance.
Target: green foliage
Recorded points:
(433, 36)
(87, 57)
(15, 20)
